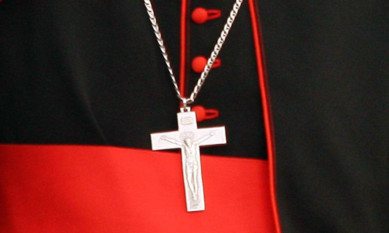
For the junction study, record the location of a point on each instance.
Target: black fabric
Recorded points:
(89, 72)
(86, 72)
(328, 74)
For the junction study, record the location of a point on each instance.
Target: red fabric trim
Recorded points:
(266, 111)
(184, 5)
(99, 189)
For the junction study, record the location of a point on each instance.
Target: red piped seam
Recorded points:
(183, 26)
(266, 112)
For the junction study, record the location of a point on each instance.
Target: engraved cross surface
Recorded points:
(189, 138)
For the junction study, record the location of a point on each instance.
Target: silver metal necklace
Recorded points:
(189, 138)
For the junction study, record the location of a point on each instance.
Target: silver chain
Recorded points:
(211, 59)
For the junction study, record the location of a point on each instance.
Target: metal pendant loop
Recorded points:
(185, 105)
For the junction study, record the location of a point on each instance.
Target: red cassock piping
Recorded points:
(184, 5)
(266, 112)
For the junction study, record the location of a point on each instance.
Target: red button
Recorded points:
(201, 15)
(205, 114)
(199, 62)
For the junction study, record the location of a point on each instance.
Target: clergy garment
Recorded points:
(300, 88)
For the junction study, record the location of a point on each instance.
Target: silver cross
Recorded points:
(189, 138)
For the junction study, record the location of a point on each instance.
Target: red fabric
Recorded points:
(59, 189)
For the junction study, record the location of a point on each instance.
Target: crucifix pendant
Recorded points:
(189, 138)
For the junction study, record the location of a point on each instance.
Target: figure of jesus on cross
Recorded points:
(188, 144)
(189, 139)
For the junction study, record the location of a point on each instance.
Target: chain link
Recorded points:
(211, 59)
